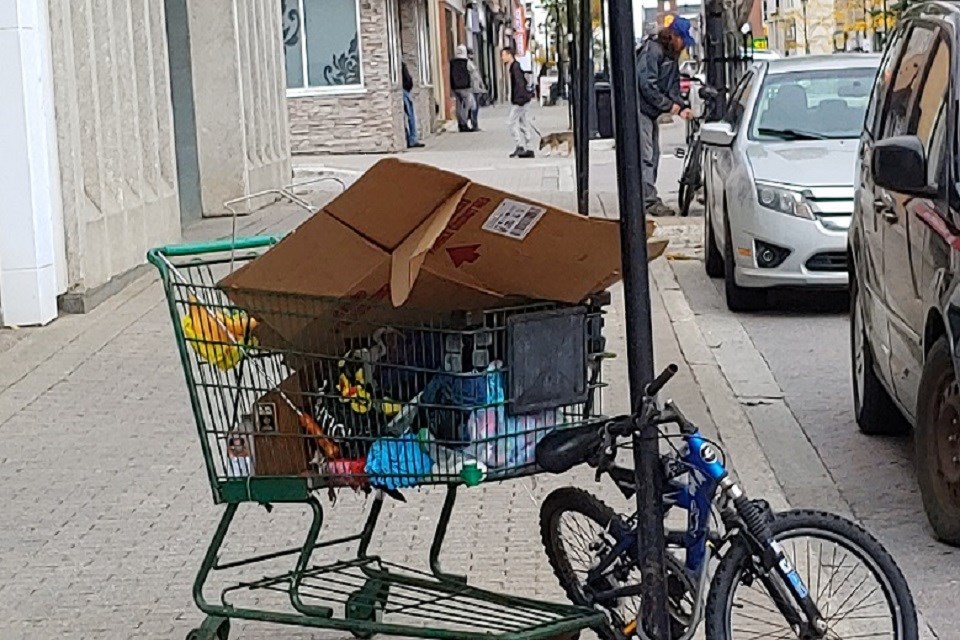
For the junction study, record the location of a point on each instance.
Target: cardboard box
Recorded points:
(279, 448)
(426, 241)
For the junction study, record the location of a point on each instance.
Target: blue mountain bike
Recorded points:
(797, 574)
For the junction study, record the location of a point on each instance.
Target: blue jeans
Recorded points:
(411, 119)
(475, 112)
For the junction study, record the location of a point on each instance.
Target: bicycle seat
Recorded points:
(562, 450)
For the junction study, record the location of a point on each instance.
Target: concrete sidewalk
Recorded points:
(108, 508)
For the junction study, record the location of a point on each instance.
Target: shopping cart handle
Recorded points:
(213, 246)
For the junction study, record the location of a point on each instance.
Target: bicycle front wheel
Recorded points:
(857, 587)
(691, 179)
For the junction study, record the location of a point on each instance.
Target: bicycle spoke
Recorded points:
(846, 590)
(856, 606)
(780, 635)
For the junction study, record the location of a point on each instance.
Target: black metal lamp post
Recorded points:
(653, 613)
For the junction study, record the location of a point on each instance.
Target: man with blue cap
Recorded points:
(658, 87)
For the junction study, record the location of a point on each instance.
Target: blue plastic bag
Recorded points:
(395, 463)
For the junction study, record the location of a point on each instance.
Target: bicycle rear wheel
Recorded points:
(576, 530)
(856, 585)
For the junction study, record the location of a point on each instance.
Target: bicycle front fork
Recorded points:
(777, 573)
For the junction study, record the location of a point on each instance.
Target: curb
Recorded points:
(749, 410)
(733, 427)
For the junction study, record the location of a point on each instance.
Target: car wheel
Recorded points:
(874, 409)
(937, 443)
(738, 298)
(712, 258)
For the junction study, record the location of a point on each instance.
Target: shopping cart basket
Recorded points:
(295, 397)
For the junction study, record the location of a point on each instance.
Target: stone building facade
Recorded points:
(361, 113)
(121, 128)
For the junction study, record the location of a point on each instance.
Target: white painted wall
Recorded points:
(32, 258)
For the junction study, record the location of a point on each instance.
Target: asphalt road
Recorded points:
(804, 340)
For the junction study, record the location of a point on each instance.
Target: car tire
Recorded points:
(712, 258)
(738, 298)
(937, 442)
(875, 411)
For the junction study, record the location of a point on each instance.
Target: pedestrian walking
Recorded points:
(413, 140)
(658, 87)
(461, 85)
(478, 87)
(520, 125)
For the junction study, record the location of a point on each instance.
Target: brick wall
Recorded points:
(368, 122)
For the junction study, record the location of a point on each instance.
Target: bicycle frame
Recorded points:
(694, 489)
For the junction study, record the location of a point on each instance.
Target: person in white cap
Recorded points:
(462, 86)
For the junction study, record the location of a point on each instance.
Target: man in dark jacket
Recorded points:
(462, 86)
(412, 139)
(658, 86)
(520, 96)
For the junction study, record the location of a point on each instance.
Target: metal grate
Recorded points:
(834, 261)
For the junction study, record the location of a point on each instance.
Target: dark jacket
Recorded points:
(407, 78)
(459, 74)
(658, 79)
(519, 93)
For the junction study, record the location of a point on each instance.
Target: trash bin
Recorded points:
(604, 102)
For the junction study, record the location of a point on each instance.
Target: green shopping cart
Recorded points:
(295, 397)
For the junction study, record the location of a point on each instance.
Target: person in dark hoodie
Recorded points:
(520, 96)
(462, 86)
(658, 88)
(413, 141)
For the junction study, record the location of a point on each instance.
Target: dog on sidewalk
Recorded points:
(554, 140)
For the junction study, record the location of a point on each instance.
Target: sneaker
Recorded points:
(416, 145)
(660, 209)
(526, 153)
(516, 152)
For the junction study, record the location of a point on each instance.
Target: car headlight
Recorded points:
(788, 201)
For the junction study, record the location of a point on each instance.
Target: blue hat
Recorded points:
(681, 27)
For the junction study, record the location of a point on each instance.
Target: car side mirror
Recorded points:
(718, 134)
(899, 164)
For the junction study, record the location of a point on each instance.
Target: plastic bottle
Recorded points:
(449, 462)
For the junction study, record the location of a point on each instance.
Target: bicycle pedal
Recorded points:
(680, 152)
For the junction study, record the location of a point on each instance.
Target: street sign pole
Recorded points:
(714, 52)
(572, 66)
(653, 619)
(585, 89)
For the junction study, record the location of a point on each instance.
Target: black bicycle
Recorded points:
(691, 178)
(801, 574)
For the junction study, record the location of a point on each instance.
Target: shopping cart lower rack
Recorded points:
(298, 397)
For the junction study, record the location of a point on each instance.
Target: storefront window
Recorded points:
(424, 60)
(322, 45)
(393, 40)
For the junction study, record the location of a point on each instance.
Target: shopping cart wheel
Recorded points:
(211, 629)
(367, 605)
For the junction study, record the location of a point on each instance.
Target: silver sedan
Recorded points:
(779, 172)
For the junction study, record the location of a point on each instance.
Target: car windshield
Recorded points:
(812, 105)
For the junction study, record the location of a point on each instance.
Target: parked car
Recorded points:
(903, 256)
(761, 55)
(779, 171)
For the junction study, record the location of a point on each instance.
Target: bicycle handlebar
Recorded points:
(661, 380)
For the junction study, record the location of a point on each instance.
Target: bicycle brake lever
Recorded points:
(606, 452)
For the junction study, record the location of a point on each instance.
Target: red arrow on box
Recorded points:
(464, 254)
